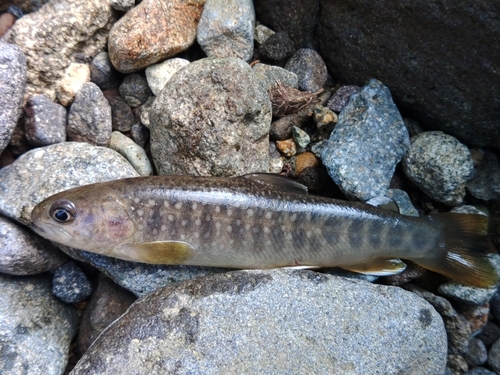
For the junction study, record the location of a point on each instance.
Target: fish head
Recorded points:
(84, 218)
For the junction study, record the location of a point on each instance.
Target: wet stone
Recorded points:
(300, 137)
(271, 75)
(403, 201)
(24, 253)
(277, 48)
(12, 86)
(366, 144)
(36, 327)
(139, 134)
(275, 159)
(122, 117)
(439, 165)
(476, 354)
(44, 121)
(457, 364)
(281, 129)
(135, 90)
(489, 334)
(494, 357)
(480, 371)
(169, 25)
(262, 33)
(341, 97)
(485, 184)
(6, 22)
(70, 284)
(103, 73)
(89, 117)
(144, 111)
(134, 153)
(288, 147)
(75, 76)
(309, 67)
(122, 5)
(158, 75)
(226, 29)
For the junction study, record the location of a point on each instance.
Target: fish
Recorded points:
(259, 221)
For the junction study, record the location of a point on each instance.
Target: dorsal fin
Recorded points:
(277, 182)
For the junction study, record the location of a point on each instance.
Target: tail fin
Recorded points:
(464, 257)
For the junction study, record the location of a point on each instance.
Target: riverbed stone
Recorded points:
(226, 29)
(45, 171)
(309, 67)
(271, 75)
(368, 141)
(153, 31)
(35, 328)
(212, 118)
(44, 121)
(56, 35)
(75, 76)
(283, 316)
(134, 153)
(12, 86)
(159, 74)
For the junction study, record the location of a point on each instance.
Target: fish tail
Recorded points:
(465, 254)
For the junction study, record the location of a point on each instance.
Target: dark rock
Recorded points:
(457, 364)
(298, 17)
(44, 121)
(485, 184)
(277, 48)
(438, 59)
(103, 73)
(476, 354)
(12, 86)
(368, 141)
(70, 284)
(480, 371)
(309, 67)
(494, 357)
(341, 97)
(135, 90)
(89, 118)
(139, 134)
(122, 117)
(107, 303)
(489, 334)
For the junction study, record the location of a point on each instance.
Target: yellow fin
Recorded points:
(159, 252)
(378, 267)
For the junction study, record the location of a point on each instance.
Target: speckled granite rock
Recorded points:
(271, 75)
(134, 89)
(35, 328)
(159, 74)
(439, 165)
(75, 76)
(89, 118)
(26, 182)
(153, 31)
(212, 118)
(44, 121)
(59, 31)
(134, 153)
(278, 48)
(103, 73)
(12, 86)
(24, 253)
(309, 67)
(368, 141)
(283, 316)
(226, 29)
(70, 284)
(437, 59)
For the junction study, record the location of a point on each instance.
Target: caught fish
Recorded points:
(259, 221)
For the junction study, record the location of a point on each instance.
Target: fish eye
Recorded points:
(63, 211)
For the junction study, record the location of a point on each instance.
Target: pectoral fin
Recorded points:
(378, 267)
(158, 252)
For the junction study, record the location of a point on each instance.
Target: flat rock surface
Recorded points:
(294, 321)
(438, 59)
(82, 28)
(35, 328)
(25, 183)
(211, 118)
(152, 31)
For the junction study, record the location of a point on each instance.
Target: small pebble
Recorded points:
(281, 129)
(277, 48)
(485, 184)
(70, 284)
(122, 117)
(413, 126)
(309, 67)
(75, 76)
(457, 364)
(477, 315)
(439, 165)
(135, 90)
(144, 111)
(271, 75)
(465, 293)
(44, 121)
(494, 357)
(139, 134)
(275, 159)
(403, 201)
(301, 137)
(226, 29)
(6, 22)
(89, 117)
(287, 147)
(490, 333)
(476, 354)
(262, 33)
(341, 97)
(122, 5)
(158, 75)
(302, 161)
(103, 73)
(134, 153)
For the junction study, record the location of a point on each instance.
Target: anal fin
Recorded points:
(378, 267)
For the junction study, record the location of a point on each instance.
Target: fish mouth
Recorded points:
(35, 227)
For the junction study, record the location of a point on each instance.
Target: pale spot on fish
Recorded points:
(166, 204)
(250, 212)
(267, 230)
(247, 226)
(238, 222)
(194, 206)
(196, 235)
(229, 229)
(140, 227)
(178, 205)
(293, 217)
(151, 202)
(231, 242)
(163, 228)
(136, 200)
(183, 237)
(197, 222)
(184, 223)
(155, 231)
(218, 225)
(229, 212)
(269, 215)
(170, 217)
(172, 232)
(140, 212)
(217, 209)
(208, 217)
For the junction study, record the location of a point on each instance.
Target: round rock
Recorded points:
(135, 90)
(278, 47)
(44, 121)
(70, 284)
(271, 75)
(212, 118)
(226, 29)
(439, 165)
(159, 74)
(309, 67)
(103, 73)
(36, 328)
(274, 321)
(45, 171)
(134, 153)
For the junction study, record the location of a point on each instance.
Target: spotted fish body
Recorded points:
(250, 221)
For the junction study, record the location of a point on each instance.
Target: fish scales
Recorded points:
(237, 222)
